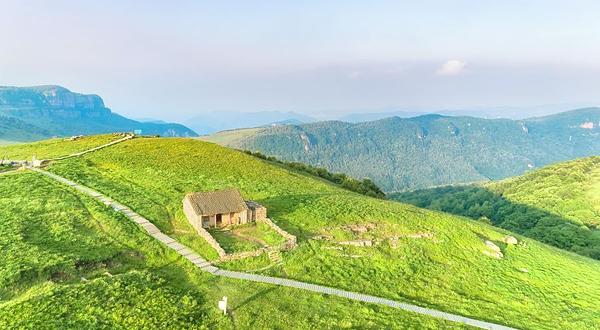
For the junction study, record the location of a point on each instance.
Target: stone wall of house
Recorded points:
(256, 212)
(260, 215)
(193, 218)
(196, 222)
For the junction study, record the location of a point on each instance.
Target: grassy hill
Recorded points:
(41, 112)
(70, 262)
(415, 255)
(408, 153)
(54, 148)
(558, 204)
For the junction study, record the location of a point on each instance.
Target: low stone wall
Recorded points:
(285, 246)
(289, 244)
(212, 241)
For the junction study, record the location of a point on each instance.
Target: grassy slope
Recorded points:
(231, 136)
(447, 270)
(557, 204)
(55, 147)
(568, 189)
(53, 236)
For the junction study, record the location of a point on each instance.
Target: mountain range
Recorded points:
(216, 121)
(410, 153)
(35, 113)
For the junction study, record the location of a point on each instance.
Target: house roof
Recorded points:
(220, 201)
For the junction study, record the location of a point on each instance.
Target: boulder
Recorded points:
(492, 246)
(496, 252)
(510, 240)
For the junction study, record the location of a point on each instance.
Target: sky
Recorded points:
(174, 59)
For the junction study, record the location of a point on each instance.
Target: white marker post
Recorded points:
(223, 305)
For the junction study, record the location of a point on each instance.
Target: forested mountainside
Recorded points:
(558, 204)
(36, 113)
(408, 153)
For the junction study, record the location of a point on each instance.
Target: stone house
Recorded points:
(221, 208)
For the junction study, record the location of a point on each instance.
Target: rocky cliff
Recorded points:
(60, 112)
(49, 101)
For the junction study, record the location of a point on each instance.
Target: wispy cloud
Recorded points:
(452, 68)
(355, 75)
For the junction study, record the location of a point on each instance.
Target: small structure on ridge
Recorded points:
(221, 208)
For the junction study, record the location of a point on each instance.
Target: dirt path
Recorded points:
(240, 233)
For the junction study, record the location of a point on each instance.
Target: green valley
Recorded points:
(349, 241)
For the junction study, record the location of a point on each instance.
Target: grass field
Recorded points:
(55, 147)
(57, 245)
(247, 237)
(230, 136)
(419, 256)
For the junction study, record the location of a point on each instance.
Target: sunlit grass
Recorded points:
(444, 269)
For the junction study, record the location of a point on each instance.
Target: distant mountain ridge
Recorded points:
(409, 153)
(34, 113)
(212, 122)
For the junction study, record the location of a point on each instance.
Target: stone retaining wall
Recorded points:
(289, 244)
(212, 241)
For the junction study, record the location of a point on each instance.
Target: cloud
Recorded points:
(355, 75)
(452, 68)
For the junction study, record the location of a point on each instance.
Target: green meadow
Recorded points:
(413, 255)
(55, 148)
(69, 261)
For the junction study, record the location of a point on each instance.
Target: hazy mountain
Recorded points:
(212, 122)
(370, 116)
(481, 112)
(150, 120)
(33, 113)
(409, 153)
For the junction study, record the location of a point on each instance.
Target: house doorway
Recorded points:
(219, 220)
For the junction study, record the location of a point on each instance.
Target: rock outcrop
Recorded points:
(56, 111)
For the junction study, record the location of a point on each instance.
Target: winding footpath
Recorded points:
(208, 267)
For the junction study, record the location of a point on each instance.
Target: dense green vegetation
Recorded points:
(416, 255)
(364, 186)
(400, 154)
(69, 262)
(554, 205)
(42, 112)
